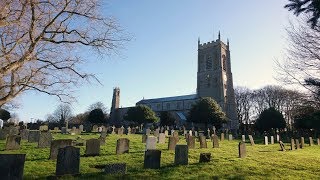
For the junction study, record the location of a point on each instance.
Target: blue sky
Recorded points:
(161, 58)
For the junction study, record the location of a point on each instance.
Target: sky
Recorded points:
(161, 58)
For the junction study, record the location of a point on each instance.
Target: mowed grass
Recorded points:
(262, 162)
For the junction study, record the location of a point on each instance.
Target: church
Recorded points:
(214, 79)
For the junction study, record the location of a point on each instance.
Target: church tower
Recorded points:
(214, 77)
(115, 104)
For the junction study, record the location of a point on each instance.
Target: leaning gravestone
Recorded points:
(215, 141)
(152, 159)
(203, 141)
(242, 150)
(11, 166)
(297, 144)
(33, 136)
(251, 140)
(172, 143)
(222, 136)
(282, 146)
(292, 145)
(122, 146)
(191, 141)
(144, 138)
(151, 143)
(265, 140)
(92, 147)
(272, 140)
(181, 155)
(302, 142)
(56, 144)
(68, 161)
(13, 142)
(310, 141)
(205, 157)
(118, 168)
(45, 139)
(162, 138)
(24, 134)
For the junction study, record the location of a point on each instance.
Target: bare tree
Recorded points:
(40, 42)
(301, 64)
(62, 114)
(244, 103)
(98, 105)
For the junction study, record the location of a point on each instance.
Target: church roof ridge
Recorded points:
(165, 99)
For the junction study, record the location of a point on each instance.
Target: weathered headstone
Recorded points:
(297, 144)
(68, 161)
(120, 131)
(222, 137)
(128, 130)
(122, 146)
(94, 128)
(144, 138)
(81, 128)
(102, 140)
(310, 141)
(282, 146)
(56, 144)
(92, 147)
(292, 145)
(205, 157)
(151, 142)
(148, 132)
(11, 166)
(172, 143)
(156, 132)
(56, 129)
(203, 142)
(13, 142)
(64, 130)
(162, 138)
(318, 141)
(251, 140)
(43, 128)
(230, 137)
(190, 133)
(215, 141)
(118, 168)
(266, 140)
(302, 142)
(176, 134)
(278, 138)
(272, 140)
(33, 136)
(242, 150)
(196, 133)
(24, 133)
(166, 132)
(181, 155)
(103, 134)
(152, 159)
(45, 139)
(191, 141)
(243, 138)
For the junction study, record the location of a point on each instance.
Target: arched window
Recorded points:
(209, 62)
(224, 63)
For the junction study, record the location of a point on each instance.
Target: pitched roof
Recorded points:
(167, 99)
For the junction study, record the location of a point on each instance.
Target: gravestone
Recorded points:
(272, 140)
(196, 133)
(302, 142)
(64, 130)
(215, 141)
(203, 142)
(11, 166)
(103, 129)
(230, 137)
(185, 132)
(243, 138)
(172, 143)
(3, 134)
(282, 147)
(297, 144)
(292, 145)
(56, 129)
(156, 132)
(278, 138)
(94, 128)
(152, 159)
(310, 141)
(190, 133)
(128, 130)
(151, 143)
(166, 133)
(68, 161)
(205, 157)
(120, 131)
(24, 133)
(122, 146)
(176, 134)
(100, 129)
(181, 155)
(81, 128)
(13, 142)
(103, 134)
(242, 150)
(148, 132)
(162, 138)
(102, 140)
(92, 147)
(222, 137)
(56, 144)
(144, 138)
(45, 139)
(191, 141)
(265, 140)
(251, 140)
(43, 128)
(118, 168)
(318, 141)
(113, 132)
(33, 136)
(171, 132)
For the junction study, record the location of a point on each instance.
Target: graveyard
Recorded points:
(222, 160)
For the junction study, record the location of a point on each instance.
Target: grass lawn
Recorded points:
(262, 162)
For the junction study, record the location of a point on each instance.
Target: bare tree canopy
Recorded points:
(98, 105)
(40, 42)
(62, 114)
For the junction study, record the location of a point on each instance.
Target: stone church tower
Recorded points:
(214, 77)
(115, 104)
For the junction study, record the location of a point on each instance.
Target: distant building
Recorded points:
(214, 79)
